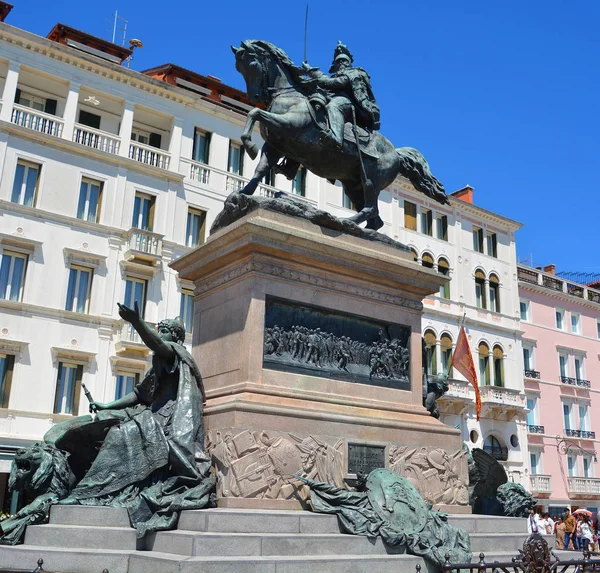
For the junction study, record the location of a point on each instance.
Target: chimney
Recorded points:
(551, 269)
(5, 8)
(465, 194)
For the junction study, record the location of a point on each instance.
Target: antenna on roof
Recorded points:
(119, 24)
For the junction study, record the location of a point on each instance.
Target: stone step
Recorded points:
(266, 544)
(501, 542)
(94, 516)
(152, 562)
(24, 557)
(253, 521)
(489, 523)
(81, 537)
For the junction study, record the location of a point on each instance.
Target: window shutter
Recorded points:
(195, 145)
(7, 375)
(57, 386)
(207, 138)
(18, 96)
(429, 338)
(77, 391)
(155, 140)
(151, 214)
(50, 106)
(444, 228)
(410, 216)
(242, 153)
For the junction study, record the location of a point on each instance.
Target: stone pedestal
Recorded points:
(269, 415)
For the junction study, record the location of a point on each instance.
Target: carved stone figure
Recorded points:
(391, 507)
(515, 499)
(436, 388)
(292, 128)
(145, 451)
(438, 477)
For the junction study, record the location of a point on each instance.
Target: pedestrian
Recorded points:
(534, 523)
(560, 533)
(569, 528)
(549, 523)
(577, 541)
(587, 535)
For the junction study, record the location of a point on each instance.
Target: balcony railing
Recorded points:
(234, 183)
(149, 155)
(96, 139)
(37, 120)
(583, 485)
(533, 429)
(457, 389)
(541, 483)
(268, 191)
(526, 275)
(144, 245)
(568, 380)
(199, 172)
(504, 396)
(552, 283)
(129, 341)
(532, 374)
(583, 383)
(587, 435)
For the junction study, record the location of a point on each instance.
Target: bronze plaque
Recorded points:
(363, 459)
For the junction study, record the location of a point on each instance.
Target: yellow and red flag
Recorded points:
(463, 362)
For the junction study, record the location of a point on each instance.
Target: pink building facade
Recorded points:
(560, 320)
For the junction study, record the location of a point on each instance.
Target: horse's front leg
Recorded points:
(268, 159)
(289, 120)
(250, 147)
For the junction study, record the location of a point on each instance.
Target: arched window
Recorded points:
(480, 297)
(484, 363)
(493, 447)
(498, 366)
(427, 260)
(414, 254)
(444, 269)
(494, 293)
(430, 352)
(446, 351)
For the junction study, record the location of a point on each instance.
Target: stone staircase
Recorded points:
(82, 539)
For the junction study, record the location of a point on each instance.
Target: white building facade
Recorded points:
(108, 174)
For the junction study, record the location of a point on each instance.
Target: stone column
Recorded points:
(10, 90)
(175, 143)
(70, 114)
(125, 130)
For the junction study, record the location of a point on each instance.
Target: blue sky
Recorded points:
(500, 95)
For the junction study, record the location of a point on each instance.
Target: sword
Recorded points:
(305, 31)
(88, 395)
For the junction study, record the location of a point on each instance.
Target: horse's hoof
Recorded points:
(250, 147)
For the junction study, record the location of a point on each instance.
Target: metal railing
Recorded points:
(96, 139)
(149, 155)
(533, 429)
(587, 435)
(550, 281)
(568, 380)
(526, 275)
(532, 374)
(37, 120)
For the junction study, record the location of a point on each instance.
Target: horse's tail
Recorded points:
(415, 168)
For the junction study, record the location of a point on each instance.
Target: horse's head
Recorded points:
(250, 64)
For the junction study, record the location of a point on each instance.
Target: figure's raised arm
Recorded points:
(150, 337)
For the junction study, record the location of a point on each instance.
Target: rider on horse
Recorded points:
(350, 97)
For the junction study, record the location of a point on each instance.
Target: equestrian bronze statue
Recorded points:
(316, 120)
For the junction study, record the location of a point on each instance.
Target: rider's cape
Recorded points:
(364, 100)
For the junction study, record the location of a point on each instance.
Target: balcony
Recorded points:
(234, 183)
(37, 120)
(532, 374)
(583, 486)
(583, 383)
(583, 434)
(144, 246)
(502, 403)
(199, 172)
(129, 341)
(575, 382)
(459, 395)
(533, 429)
(96, 139)
(149, 155)
(541, 484)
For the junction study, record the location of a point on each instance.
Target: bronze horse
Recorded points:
(290, 130)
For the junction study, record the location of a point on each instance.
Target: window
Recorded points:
(583, 417)
(528, 363)
(47, 105)
(534, 461)
(524, 310)
(12, 275)
(146, 138)
(480, 298)
(484, 363)
(498, 354)
(90, 196)
(532, 413)
(299, 182)
(494, 293)
(7, 363)
(269, 178)
(492, 245)
(194, 234)
(441, 225)
(135, 291)
(493, 447)
(90, 119)
(125, 384)
(68, 388)
(430, 352)
(446, 351)
(25, 185)
(235, 160)
(575, 323)
(427, 260)
(78, 289)
(567, 415)
(579, 373)
(560, 319)
(346, 202)
(186, 309)
(410, 216)
(588, 468)
(414, 254)
(426, 222)
(563, 363)
(143, 212)
(444, 269)
(571, 466)
(598, 328)
(201, 148)
(478, 239)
